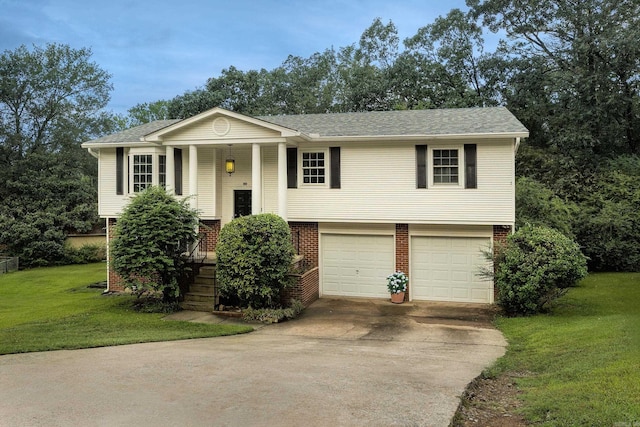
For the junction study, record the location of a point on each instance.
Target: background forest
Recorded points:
(568, 69)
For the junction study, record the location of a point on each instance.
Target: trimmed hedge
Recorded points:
(254, 259)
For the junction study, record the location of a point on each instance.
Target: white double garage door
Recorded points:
(441, 267)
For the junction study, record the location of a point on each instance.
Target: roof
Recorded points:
(453, 121)
(135, 133)
(437, 122)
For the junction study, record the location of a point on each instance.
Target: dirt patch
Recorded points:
(490, 402)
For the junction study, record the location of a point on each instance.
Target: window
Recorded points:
(162, 173)
(313, 168)
(445, 166)
(142, 172)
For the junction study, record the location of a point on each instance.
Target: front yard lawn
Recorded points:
(580, 364)
(52, 308)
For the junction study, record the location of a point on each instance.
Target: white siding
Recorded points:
(206, 183)
(379, 185)
(203, 131)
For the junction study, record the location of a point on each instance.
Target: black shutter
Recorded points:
(334, 154)
(421, 166)
(470, 157)
(119, 170)
(292, 167)
(177, 161)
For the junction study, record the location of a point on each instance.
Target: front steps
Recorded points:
(202, 295)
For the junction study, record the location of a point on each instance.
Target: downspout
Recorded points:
(513, 226)
(94, 153)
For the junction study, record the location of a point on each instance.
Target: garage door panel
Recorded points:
(362, 263)
(445, 269)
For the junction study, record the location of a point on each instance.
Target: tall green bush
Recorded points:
(254, 258)
(151, 237)
(534, 267)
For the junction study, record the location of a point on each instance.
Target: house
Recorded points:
(365, 194)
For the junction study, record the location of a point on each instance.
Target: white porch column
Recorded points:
(214, 183)
(193, 176)
(282, 180)
(256, 180)
(170, 175)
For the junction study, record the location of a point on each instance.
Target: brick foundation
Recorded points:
(402, 252)
(306, 233)
(500, 233)
(213, 232)
(306, 288)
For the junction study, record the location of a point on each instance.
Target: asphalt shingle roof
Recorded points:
(135, 133)
(454, 121)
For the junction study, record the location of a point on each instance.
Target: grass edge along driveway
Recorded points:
(52, 308)
(580, 364)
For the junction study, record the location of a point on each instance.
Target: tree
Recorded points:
(50, 101)
(451, 51)
(589, 58)
(41, 91)
(151, 237)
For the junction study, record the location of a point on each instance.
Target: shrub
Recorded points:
(85, 254)
(273, 315)
(534, 267)
(254, 258)
(151, 237)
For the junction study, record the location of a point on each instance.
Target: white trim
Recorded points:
(193, 176)
(431, 166)
(327, 167)
(170, 172)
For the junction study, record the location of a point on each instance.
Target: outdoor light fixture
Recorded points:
(230, 163)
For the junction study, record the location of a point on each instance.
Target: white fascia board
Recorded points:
(370, 138)
(118, 144)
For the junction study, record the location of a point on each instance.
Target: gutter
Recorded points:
(94, 153)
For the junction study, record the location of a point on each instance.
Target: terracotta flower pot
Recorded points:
(397, 298)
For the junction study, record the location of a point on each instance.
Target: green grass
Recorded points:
(52, 308)
(580, 364)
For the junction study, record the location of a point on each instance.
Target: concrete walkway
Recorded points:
(343, 363)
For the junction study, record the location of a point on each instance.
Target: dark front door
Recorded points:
(241, 203)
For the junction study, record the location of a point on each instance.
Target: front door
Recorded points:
(241, 203)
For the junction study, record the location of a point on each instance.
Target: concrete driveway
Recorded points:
(343, 363)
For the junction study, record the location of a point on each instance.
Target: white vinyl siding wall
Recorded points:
(379, 185)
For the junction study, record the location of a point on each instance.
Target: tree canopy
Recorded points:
(51, 100)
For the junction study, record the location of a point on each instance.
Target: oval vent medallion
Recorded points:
(221, 126)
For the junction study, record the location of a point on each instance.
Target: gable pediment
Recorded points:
(220, 125)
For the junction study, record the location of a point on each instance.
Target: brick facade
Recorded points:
(212, 228)
(305, 238)
(402, 252)
(306, 288)
(500, 233)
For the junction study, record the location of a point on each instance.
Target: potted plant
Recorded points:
(397, 285)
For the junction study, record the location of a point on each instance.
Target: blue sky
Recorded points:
(157, 49)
